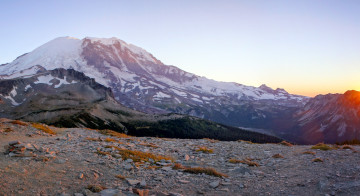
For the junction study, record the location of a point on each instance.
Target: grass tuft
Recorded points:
(347, 147)
(247, 161)
(322, 146)
(93, 139)
(309, 152)
(43, 128)
(211, 140)
(285, 143)
(277, 156)
(120, 177)
(152, 145)
(102, 152)
(207, 171)
(178, 166)
(317, 160)
(249, 142)
(18, 122)
(138, 156)
(113, 133)
(204, 149)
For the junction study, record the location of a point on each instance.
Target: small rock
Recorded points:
(143, 183)
(109, 192)
(132, 182)
(184, 181)
(175, 194)
(215, 184)
(166, 168)
(128, 161)
(187, 157)
(12, 143)
(78, 194)
(128, 167)
(224, 189)
(87, 192)
(59, 161)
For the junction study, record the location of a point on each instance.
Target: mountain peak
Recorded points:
(265, 87)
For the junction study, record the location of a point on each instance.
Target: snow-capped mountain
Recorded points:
(330, 118)
(142, 82)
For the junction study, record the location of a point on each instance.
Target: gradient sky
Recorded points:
(308, 47)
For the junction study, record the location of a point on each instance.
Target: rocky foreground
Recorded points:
(40, 160)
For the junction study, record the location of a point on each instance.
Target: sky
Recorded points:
(307, 47)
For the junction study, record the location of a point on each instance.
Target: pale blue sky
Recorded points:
(307, 46)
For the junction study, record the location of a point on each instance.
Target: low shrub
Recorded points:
(322, 146)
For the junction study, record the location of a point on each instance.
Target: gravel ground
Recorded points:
(74, 159)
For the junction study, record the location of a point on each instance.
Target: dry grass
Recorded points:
(204, 149)
(347, 147)
(322, 146)
(178, 166)
(153, 167)
(43, 128)
(139, 156)
(285, 143)
(211, 140)
(247, 161)
(277, 156)
(120, 177)
(113, 133)
(152, 145)
(18, 122)
(93, 139)
(203, 170)
(309, 152)
(8, 129)
(317, 160)
(349, 142)
(95, 188)
(102, 152)
(249, 142)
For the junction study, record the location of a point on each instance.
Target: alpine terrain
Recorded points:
(140, 81)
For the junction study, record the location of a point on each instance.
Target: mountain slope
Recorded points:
(67, 98)
(140, 81)
(330, 118)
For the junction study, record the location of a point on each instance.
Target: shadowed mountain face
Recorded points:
(140, 81)
(68, 98)
(330, 118)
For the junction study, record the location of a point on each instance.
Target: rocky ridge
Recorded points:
(92, 162)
